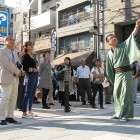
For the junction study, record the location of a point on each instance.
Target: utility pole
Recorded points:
(96, 26)
(98, 29)
(29, 25)
(103, 29)
(98, 6)
(93, 2)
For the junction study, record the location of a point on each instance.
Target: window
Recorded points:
(77, 43)
(45, 1)
(67, 47)
(125, 0)
(87, 9)
(80, 11)
(17, 16)
(87, 41)
(11, 24)
(11, 16)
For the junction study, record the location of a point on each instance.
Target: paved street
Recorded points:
(82, 123)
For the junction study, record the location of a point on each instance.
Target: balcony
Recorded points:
(42, 44)
(74, 20)
(76, 48)
(43, 20)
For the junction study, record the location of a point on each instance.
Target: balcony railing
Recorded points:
(76, 48)
(42, 44)
(74, 20)
(43, 20)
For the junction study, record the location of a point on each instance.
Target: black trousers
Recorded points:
(96, 88)
(85, 85)
(21, 92)
(45, 94)
(62, 97)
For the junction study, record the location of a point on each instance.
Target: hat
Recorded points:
(95, 60)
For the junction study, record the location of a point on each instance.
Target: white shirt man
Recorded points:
(83, 72)
(84, 85)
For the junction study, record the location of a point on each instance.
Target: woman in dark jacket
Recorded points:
(31, 79)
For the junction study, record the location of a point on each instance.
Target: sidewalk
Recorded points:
(82, 123)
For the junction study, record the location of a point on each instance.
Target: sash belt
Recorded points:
(123, 69)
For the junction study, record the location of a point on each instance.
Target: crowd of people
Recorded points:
(111, 77)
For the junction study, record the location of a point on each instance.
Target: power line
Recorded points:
(112, 18)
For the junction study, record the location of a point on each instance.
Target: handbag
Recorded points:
(39, 94)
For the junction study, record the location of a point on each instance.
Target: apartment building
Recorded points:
(74, 39)
(120, 17)
(42, 22)
(21, 23)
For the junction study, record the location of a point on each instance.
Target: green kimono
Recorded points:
(124, 54)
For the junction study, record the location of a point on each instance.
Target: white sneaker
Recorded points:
(123, 119)
(27, 116)
(32, 114)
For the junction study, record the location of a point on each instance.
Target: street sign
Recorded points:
(3, 26)
(53, 40)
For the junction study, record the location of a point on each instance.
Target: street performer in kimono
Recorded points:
(118, 70)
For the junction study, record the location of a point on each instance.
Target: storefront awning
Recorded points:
(73, 56)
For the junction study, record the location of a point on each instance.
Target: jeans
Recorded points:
(31, 81)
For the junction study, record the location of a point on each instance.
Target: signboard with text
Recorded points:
(3, 26)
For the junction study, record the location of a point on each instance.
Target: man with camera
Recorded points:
(9, 76)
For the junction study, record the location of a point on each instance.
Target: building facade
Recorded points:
(42, 22)
(120, 18)
(74, 22)
(21, 23)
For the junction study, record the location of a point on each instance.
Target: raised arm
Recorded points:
(135, 31)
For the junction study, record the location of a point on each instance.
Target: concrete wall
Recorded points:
(116, 19)
(64, 4)
(83, 26)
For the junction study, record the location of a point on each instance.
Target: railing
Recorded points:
(74, 20)
(76, 48)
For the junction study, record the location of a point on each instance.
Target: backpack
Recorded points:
(60, 76)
